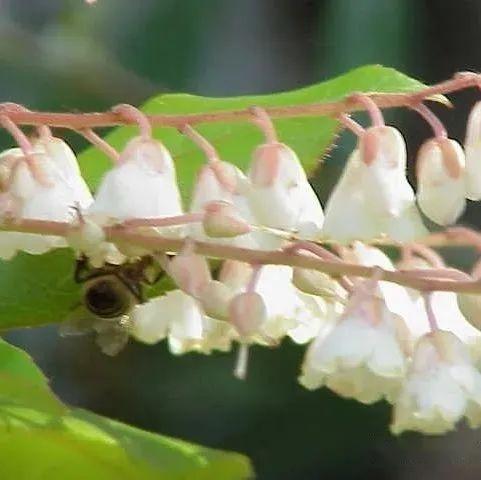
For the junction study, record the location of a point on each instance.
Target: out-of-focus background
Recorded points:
(66, 55)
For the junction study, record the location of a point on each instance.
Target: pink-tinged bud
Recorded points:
(314, 282)
(235, 274)
(222, 220)
(247, 313)
(266, 164)
(472, 146)
(440, 177)
(215, 298)
(190, 272)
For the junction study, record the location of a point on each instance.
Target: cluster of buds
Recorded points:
(255, 259)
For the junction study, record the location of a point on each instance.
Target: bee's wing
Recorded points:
(112, 338)
(80, 322)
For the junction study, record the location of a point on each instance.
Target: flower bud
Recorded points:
(190, 272)
(222, 220)
(472, 147)
(314, 282)
(440, 175)
(247, 313)
(215, 298)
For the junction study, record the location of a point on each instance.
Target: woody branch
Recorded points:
(335, 268)
(78, 121)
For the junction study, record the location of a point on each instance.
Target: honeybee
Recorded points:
(109, 294)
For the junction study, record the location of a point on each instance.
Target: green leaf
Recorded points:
(22, 384)
(38, 290)
(83, 445)
(41, 438)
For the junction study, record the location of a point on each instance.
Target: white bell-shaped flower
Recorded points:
(373, 197)
(179, 317)
(347, 217)
(441, 388)
(280, 195)
(472, 148)
(441, 180)
(289, 311)
(386, 189)
(397, 297)
(38, 189)
(64, 158)
(362, 357)
(142, 185)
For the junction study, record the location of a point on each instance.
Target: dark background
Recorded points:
(65, 55)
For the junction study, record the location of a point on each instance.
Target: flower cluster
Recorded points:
(405, 331)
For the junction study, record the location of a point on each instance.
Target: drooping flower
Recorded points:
(441, 388)
(373, 197)
(65, 160)
(441, 180)
(38, 188)
(346, 215)
(472, 148)
(280, 195)
(363, 356)
(178, 317)
(142, 185)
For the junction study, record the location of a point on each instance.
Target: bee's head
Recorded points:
(108, 297)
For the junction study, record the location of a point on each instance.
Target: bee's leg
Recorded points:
(82, 270)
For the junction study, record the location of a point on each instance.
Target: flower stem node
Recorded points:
(441, 188)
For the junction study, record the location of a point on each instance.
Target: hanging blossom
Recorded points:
(373, 197)
(441, 180)
(359, 333)
(364, 355)
(441, 387)
(45, 185)
(280, 195)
